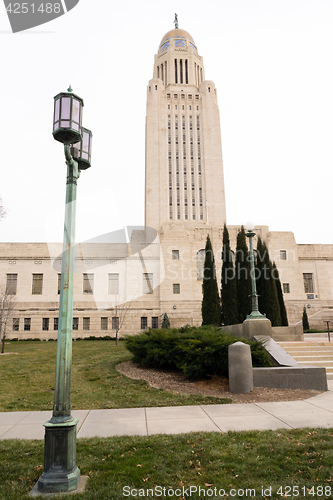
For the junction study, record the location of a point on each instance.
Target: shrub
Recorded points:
(197, 352)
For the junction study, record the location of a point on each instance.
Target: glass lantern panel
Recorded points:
(64, 124)
(85, 141)
(75, 126)
(76, 111)
(65, 109)
(56, 110)
(84, 155)
(56, 125)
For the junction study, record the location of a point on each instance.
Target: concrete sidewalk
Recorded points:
(312, 412)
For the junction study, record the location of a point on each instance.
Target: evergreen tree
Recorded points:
(305, 320)
(283, 311)
(243, 276)
(166, 321)
(210, 307)
(229, 308)
(266, 286)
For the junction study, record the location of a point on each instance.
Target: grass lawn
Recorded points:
(27, 379)
(294, 463)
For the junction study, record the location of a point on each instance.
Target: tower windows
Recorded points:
(181, 70)
(170, 167)
(176, 80)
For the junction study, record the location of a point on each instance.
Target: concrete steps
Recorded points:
(314, 352)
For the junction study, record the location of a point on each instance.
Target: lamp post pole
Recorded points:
(255, 314)
(61, 473)
(60, 470)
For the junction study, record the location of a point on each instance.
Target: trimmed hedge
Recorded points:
(196, 351)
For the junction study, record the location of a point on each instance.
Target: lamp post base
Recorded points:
(256, 315)
(61, 473)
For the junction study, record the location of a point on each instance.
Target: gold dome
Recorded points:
(177, 32)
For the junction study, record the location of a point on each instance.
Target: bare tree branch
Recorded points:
(3, 211)
(119, 313)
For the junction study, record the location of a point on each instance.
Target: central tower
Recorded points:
(184, 170)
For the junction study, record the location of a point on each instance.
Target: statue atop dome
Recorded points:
(176, 21)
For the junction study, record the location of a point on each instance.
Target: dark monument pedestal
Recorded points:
(61, 473)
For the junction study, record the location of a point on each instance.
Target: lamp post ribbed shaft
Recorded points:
(60, 470)
(255, 314)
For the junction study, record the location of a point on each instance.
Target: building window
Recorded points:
(86, 323)
(283, 254)
(200, 264)
(37, 284)
(113, 283)
(75, 323)
(147, 283)
(11, 285)
(45, 324)
(115, 323)
(308, 282)
(176, 288)
(27, 324)
(154, 322)
(144, 322)
(16, 324)
(55, 324)
(175, 254)
(59, 283)
(286, 288)
(88, 283)
(104, 323)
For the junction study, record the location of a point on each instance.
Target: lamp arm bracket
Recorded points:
(71, 163)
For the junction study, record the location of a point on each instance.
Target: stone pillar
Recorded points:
(240, 368)
(252, 327)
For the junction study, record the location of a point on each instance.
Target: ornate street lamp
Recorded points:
(60, 470)
(255, 314)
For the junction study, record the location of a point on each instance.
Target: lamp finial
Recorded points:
(70, 88)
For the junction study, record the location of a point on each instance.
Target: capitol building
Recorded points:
(127, 280)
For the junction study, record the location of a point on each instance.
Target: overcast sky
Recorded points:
(271, 61)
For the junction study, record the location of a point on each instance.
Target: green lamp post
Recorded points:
(60, 470)
(255, 314)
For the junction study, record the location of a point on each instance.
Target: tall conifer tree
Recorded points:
(266, 286)
(229, 308)
(210, 307)
(305, 320)
(243, 276)
(283, 311)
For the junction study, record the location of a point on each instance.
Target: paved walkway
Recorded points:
(313, 412)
